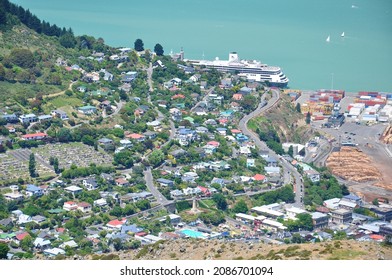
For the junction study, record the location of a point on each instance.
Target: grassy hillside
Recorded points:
(222, 250)
(282, 122)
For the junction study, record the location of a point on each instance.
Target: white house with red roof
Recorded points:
(85, 207)
(205, 191)
(35, 136)
(260, 178)
(116, 224)
(136, 136)
(70, 205)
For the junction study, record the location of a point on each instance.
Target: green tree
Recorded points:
(156, 157)
(64, 135)
(220, 201)
(375, 202)
(27, 243)
(158, 49)
(307, 118)
(124, 158)
(291, 151)
(139, 45)
(240, 207)
(32, 170)
(298, 107)
(68, 40)
(21, 57)
(4, 249)
(88, 140)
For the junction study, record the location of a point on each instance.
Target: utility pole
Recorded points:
(332, 81)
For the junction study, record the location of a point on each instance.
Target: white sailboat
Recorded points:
(342, 35)
(328, 39)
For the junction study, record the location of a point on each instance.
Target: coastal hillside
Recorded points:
(282, 124)
(32, 53)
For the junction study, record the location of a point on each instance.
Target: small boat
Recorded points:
(342, 35)
(328, 39)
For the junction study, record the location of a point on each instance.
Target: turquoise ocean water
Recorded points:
(286, 33)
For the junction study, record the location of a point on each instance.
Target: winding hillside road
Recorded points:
(288, 169)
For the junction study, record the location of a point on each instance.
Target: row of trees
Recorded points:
(139, 47)
(30, 20)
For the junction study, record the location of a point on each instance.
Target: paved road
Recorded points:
(211, 90)
(288, 169)
(151, 187)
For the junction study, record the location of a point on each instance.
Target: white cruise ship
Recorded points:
(251, 69)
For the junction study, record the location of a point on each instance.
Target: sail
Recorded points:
(342, 34)
(328, 39)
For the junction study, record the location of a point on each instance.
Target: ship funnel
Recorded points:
(233, 57)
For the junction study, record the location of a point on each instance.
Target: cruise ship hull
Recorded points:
(251, 70)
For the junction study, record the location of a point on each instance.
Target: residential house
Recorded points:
(106, 143)
(260, 178)
(332, 203)
(353, 198)
(24, 219)
(9, 118)
(44, 118)
(219, 181)
(204, 191)
(250, 162)
(116, 224)
(173, 218)
(136, 137)
(150, 134)
(129, 77)
(267, 212)
(100, 202)
(313, 175)
(70, 244)
(384, 213)
(245, 151)
(165, 182)
(222, 131)
(70, 205)
(81, 89)
(90, 184)
(126, 143)
(176, 194)
(20, 236)
(272, 169)
(271, 161)
(60, 114)
(41, 243)
(108, 178)
(84, 207)
(33, 190)
(27, 119)
(292, 212)
(38, 219)
(201, 130)
(14, 196)
(344, 204)
(341, 216)
(53, 252)
(122, 182)
(87, 110)
(245, 90)
(73, 189)
(106, 104)
(107, 75)
(35, 136)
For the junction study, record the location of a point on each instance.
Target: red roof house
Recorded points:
(259, 177)
(116, 224)
(35, 136)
